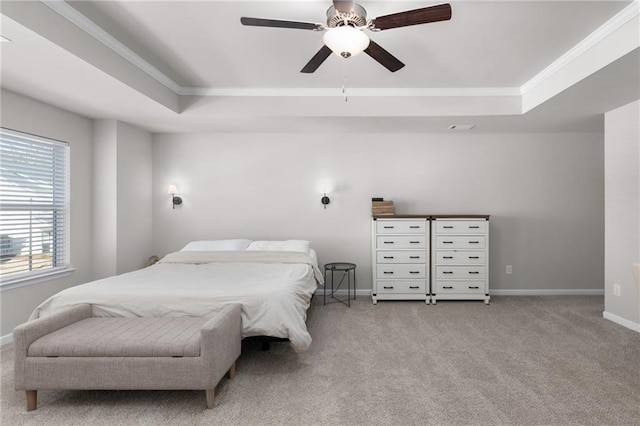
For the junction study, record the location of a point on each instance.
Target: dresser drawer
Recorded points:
(398, 256)
(461, 226)
(393, 271)
(460, 272)
(401, 226)
(401, 242)
(453, 257)
(403, 287)
(459, 287)
(460, 242)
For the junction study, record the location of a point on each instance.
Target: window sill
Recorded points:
(37, 279)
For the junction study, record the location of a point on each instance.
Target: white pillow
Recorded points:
(288, 245)
(217, 245)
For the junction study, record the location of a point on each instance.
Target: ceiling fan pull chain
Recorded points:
(344, 83)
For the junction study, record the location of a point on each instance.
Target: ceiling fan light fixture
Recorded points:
(346, 41)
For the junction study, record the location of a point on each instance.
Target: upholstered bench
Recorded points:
(72, 350)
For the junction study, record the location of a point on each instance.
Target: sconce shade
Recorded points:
(325, 188)
(346, 41)
(175, 200)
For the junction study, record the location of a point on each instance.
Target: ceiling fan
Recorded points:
(344, 34)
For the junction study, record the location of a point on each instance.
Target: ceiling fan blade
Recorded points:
(276, 23)
(385, 58)
(317, 60)
(441, 12)
(345, 6)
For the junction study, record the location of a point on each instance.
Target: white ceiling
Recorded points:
(176, 66)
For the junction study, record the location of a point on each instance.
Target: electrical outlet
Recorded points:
(616, 289)
(508, 270)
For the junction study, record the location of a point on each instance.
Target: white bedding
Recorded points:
(273, 288)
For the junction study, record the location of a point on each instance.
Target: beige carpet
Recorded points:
(521, 360)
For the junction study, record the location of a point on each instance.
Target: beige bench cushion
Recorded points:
(123, 337)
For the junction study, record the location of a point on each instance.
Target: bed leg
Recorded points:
(32, 400)
(232, 370)
(210, 393)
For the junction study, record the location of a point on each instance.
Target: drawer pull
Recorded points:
(388, 227)
(414, 272)
(447, 257)
(447, 242)
(388, 287)
(414, 242)
(474, 272)
(447, 286)
(414, 257)
(388, 272)
(474, 242)
(448, 227)
(388, 242)
(389, 257)
(474, 257)
(414, 286)
(474, 286)
(474, 227)
(414, 227)
(447, 272)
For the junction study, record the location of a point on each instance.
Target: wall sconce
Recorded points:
(324, 190)
(175, 200)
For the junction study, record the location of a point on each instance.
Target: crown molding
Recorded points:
(351, 92)
(91, 28)
(606, 29)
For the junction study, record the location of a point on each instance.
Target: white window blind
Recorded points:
(34, 200)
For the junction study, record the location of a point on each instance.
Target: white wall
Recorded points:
(622, 213)
(105, 134)
(122, 198)
(110, 183)
(28, 115)
(544, 192)
(134, 198)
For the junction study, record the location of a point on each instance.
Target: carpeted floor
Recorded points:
(519, 361)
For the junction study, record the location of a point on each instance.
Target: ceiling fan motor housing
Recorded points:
(356, 18)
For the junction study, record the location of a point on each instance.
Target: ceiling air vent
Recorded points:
(461, 126)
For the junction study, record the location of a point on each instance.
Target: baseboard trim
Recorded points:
(547, 292)
(360, 292)
(6, 339)
(621, 321)
(501, 292)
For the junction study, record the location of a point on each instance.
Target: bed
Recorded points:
(272, 281)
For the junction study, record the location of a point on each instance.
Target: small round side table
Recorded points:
(347, 270)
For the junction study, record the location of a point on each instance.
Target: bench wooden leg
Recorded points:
(32, 400)
(232, 370)
(211, 394)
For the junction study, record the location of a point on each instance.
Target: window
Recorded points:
(34, 200)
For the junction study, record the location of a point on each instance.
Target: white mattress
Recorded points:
(273, 288)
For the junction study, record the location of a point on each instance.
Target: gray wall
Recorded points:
(134, 198)
(110, 198)
(622, 213)
(105, 134)
(544, 192)
(27, 115)
(122, 198)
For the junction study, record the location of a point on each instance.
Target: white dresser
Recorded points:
(460, 258)
(400, 258)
